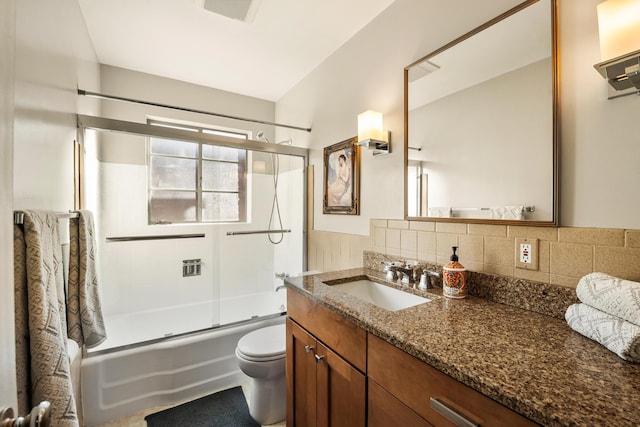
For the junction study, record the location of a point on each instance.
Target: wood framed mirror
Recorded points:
(481, 123)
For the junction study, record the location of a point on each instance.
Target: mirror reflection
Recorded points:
(481, 126)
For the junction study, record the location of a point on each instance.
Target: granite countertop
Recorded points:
(532, 363)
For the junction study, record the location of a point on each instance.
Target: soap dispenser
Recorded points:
(454, 278)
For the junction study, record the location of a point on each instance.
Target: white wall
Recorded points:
(54, 56)
(7, 336)
(599, 142)
(45, 53)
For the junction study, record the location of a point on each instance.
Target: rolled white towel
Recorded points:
(612, 295)
(619, 336)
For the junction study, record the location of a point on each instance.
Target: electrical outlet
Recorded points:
(527, 254)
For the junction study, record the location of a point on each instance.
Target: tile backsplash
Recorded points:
(565, 253)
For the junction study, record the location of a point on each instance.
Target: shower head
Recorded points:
(260, 136)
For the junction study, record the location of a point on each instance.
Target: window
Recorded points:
(196, 181)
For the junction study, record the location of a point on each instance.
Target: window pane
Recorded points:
(219, 176)
(174, 148)
(171, 172)
(172, 206)
(214, 152)
(220, 207)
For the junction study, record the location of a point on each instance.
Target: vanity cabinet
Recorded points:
(326, 361)
(430, 395)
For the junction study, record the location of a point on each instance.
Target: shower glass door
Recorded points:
(191, 231)
(258, 253)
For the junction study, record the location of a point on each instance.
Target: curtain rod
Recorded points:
(190, 110)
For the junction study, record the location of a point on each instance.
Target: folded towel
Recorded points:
(612, 295)
(507, 212)
(440, 211)
(84, 310)
(619, 336)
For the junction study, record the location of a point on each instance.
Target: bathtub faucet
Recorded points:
(281, 287)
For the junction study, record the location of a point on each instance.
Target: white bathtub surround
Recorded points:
(121, 383)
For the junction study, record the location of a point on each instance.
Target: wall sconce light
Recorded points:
(619, 30)
(371, 134)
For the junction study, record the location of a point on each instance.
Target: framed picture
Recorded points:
(342, 178)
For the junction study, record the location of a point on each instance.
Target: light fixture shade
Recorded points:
(370, 126)
(619, 27)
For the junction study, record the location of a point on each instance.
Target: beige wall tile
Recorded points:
(619, 262)
(544, 256)
(571, 259)
(393, 252)
(488, 230)
(379, 223)
(536, 276)
(427, 242)
(392, 238)
(470, 249)
(498, 269)
(499, 251)
(472, 266)
(632, 238)
(379, 236)
(379, 249)
(542, 233)
(451, 227)
(427, 257)
(592, 236)
(422, 226)
(409, 240)
(399, 224)
(409, 255)
(444, 242)
(566, 281)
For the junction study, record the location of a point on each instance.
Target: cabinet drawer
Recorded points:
(337, 332)
(415, 383)
(385, 410)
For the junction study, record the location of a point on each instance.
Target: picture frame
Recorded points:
(342, 178)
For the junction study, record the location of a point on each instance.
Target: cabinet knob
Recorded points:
(308, 348)
(319, 358)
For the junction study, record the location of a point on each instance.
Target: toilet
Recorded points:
(261, 356)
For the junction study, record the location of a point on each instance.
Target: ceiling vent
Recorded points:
(241, 10)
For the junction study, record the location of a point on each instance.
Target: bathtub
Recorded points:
(120, 382)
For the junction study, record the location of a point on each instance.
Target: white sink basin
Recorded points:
(383, 296)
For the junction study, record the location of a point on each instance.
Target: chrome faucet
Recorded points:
(281, 287)
(398, 270)
(426, 280)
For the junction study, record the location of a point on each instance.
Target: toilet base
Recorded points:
(267, 400)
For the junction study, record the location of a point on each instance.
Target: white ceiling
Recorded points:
(264, 56)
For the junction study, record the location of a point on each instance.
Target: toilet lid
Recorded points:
(265, 343)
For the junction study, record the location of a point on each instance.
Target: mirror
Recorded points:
(481, 124)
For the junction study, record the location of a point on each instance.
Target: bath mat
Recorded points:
(226, 408)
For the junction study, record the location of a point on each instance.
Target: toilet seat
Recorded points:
(263, 345)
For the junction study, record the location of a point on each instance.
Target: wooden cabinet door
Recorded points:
(341, 391)
(301, 377)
